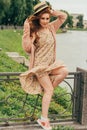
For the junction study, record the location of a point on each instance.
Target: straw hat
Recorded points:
(39, 7)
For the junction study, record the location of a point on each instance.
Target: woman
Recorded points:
(44, 73)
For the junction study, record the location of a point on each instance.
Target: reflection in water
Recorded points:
(72, 49)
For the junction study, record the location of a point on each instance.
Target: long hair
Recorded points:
(34, 20)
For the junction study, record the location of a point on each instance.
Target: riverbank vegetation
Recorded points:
(77, 29)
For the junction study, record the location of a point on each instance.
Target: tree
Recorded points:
(5, 19)
(29, 7)
(22, 14)
(2, 12)
(69, 21)
(35, 2)
(14, 11)
(80, 22)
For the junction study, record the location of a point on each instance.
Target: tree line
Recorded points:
(14, 12)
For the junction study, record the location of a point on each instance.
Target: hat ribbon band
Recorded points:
(40, 7)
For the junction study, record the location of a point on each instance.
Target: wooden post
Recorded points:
(82, 97)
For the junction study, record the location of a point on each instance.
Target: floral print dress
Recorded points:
(44, 63)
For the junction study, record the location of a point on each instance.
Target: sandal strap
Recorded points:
(45, 124)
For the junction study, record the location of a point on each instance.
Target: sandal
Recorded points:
(44, 124)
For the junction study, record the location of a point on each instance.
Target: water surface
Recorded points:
(72, 49)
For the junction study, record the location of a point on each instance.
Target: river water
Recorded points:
(72, 49)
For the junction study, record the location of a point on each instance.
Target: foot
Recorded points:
(44, 124)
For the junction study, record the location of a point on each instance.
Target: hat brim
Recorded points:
(40, 9)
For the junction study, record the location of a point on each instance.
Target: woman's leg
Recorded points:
(48, 92)
(60, 75)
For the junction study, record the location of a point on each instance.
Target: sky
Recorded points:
(71, 6)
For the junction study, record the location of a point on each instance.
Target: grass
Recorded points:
(8, 65)
(10, 41)
(63, 128)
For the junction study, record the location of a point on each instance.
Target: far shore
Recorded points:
(72, 29)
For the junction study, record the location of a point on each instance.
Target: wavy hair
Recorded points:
(34, 20)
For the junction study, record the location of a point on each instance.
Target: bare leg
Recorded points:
(48, 92)
(60, 75)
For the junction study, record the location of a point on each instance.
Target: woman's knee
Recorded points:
(46, 84)
(65, 71)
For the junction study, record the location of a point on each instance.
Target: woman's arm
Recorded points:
(27, 41)
(61, 17)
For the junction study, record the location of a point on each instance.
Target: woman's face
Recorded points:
(44, 20)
